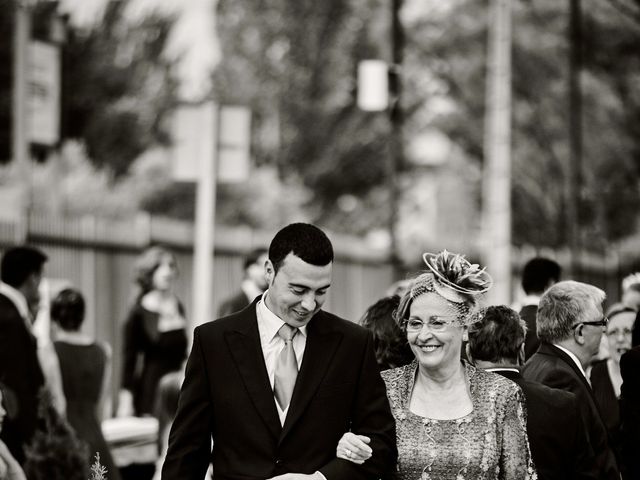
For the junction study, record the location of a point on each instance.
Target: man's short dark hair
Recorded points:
(20, 262)
(538, 272)
(303, 240)
(497, 336)
(253, 256)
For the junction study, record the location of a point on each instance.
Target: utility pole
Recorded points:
(20, 136)
(574, 170)
(396, 157)
(496, 195)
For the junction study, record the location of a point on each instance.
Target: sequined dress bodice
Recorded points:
(487, 444)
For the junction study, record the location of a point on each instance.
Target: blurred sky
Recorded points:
(193, 36)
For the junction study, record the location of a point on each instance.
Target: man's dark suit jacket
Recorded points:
(630, 413)
(233, 304)
(559, 445)
(531, 341)
(226, 396)
(20, 371)
(554, 368)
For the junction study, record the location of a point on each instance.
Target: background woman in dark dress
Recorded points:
(605, 374)
(155, 338)
(85, 367)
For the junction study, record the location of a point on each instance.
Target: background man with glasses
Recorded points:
(570, 324)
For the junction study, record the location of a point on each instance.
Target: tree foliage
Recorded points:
(294, 64)
(117, 86)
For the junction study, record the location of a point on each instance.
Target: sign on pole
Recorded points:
(373, 85)
(43, 93)
(234, 144)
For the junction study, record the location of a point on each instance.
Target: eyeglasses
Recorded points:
(435, 323)
(600, 323)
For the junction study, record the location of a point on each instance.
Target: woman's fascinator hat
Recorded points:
(455, 279)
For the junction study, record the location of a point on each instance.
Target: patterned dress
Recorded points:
(490, 443)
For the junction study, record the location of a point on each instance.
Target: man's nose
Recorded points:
(309, 301)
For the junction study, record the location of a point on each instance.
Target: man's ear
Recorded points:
(269, 271)
(578, 336)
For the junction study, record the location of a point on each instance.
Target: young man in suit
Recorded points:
(557, 435)
(538, 275)
(20, 271)
(570, 325)
(253, 284)
(276, 385)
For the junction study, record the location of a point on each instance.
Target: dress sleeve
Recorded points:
(515, 453)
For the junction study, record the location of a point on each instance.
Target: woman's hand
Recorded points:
(354, 448)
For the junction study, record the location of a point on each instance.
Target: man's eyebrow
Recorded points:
(306, 287)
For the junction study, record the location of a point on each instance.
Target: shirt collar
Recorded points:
(574, 358)
(502, 369)
(270, 322)
(17, 298)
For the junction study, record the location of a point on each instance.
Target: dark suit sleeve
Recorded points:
(189, 449)
(371, 416)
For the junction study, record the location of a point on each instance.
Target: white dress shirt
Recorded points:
(272, 344)
(17, 298)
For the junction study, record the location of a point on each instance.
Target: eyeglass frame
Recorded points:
(600, 323)
(439, 328)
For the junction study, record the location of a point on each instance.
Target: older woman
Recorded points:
(453, 421)
(155, 333)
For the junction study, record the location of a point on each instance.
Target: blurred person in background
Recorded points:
(85, 366)
(155, 336)
(630, 414)
(20, 370)
(605, 374)
(10, 469)
(389, 341)
(559, 444)
(253, 284)
(631, 291)
(452, 420)
(538, 275)
(631, 299)
(570, 326)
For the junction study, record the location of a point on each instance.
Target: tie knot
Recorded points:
(287, 332)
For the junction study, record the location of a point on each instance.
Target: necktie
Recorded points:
(286, 367)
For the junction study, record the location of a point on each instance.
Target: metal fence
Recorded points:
(97, 256)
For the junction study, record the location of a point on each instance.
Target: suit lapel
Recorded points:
(555, 351)
(320, 348)
(244, 344)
